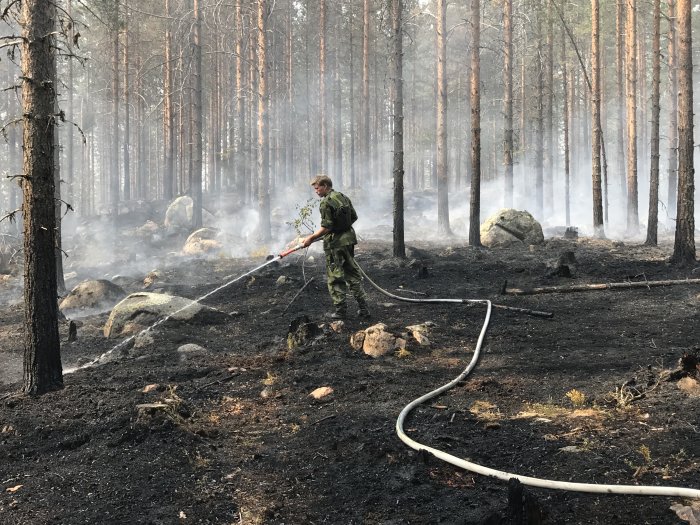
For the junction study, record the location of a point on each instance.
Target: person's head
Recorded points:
(322, 185)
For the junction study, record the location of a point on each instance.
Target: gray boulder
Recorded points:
(140, 310)
(509, 227)
(94, 295)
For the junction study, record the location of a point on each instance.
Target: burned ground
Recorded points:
(156, 436)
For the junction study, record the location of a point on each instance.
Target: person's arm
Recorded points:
(318, 234)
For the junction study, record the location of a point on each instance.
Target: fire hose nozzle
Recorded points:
(291, 250)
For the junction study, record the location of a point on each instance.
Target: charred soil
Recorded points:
(229, 434)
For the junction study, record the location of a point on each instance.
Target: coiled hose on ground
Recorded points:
(642, 490)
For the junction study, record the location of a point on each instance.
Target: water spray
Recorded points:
(125, 342)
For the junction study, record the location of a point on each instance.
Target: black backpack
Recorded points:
(344, 214)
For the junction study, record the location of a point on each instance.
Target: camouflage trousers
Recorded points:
(343, 276)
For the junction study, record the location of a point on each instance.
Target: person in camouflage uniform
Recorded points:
(339, 240)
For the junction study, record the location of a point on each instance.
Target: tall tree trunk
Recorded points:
(322, 94)
(168, 114)
(364, 106)
(508, 102)
(548, 183)
(351, 159)
(58, 200)
(443, 209)
(127, 115)
(397, 105)
(475, 195)
(653, 219)
(253, 104)
(114, 165)
(338, 107)
(239, 116)
(197, 118)
(42, 349)
(291, 112)
(684, 245)
(70, 91)
(595, 121)
(673, 111)
(619, 69)
(539, 119)
(631, 86)
(263, 142)
(566, 120)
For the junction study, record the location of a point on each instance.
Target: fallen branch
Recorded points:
(217, 382)
(297, 294)
(323, 419)
(535, 313)
(593, 287)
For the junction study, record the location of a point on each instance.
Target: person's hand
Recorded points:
(306, 242)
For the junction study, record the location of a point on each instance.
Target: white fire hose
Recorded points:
(641, 490)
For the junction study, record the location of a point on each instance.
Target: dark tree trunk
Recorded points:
(673, 111)
(127, 116)
(539, 119)
(631, 86)
(653, 219)
(263, 138)
(475, 196)
(168, 115)
(595, 122)
(619, 79)
(197, 144)
(684, 245)
(566, 120)
(443, 209)
(114, 165)
(397, 104)
(508, 102)
(42, 350)
(322, 94)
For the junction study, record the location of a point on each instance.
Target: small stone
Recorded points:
(321, 392)
(337, 326)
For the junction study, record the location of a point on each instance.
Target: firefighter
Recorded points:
(339, 240)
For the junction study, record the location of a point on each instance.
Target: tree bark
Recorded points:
(595, 121)
(168, 115)
(114, 166)
(443, 210)
(566, 120)
(539, 119)
(197, 118)
(322, 94)
(684, 244)
(653, 218)
(42, 350)
(364, 106)
(620, 85)
(631, 87)
(548, 182)
(399, 246)
(508, 102)
(126, 192)
(475, 97)
(673, 111)
(263, 138)
(337, 103)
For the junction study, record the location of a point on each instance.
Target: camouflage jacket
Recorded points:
(329, 206)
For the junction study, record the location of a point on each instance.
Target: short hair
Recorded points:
(322, 180)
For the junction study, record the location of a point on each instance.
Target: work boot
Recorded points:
(363, 311)
(339, 312)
